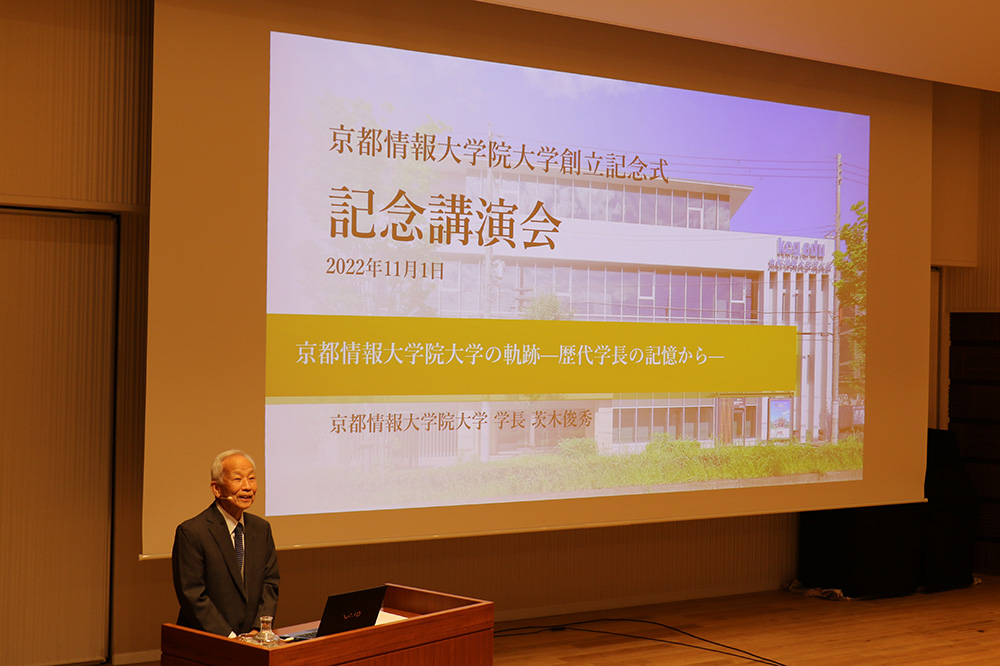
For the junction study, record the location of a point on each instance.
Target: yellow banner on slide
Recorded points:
(320, 355)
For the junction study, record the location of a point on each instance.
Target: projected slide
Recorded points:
(489, 283)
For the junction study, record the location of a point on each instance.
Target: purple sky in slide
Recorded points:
(786, 153)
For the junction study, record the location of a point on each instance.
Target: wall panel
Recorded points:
(75, 88)
(56, 423)
(979, 288)
(955, 199)
(75, 80)
(543, 573)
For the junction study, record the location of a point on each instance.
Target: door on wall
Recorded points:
(57, 367)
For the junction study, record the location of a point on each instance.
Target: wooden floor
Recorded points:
(781, 628)
(955, 627)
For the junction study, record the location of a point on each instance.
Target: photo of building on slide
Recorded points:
(497, 294)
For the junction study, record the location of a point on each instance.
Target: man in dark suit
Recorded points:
(224, 561)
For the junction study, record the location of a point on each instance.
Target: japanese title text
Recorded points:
(453, 218)
(512, 419)
(435, 353)
(376, 143)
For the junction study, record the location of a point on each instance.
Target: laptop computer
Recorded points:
(346, 611)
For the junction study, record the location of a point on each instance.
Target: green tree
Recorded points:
(852, 290)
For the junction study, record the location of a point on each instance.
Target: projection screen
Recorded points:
(436, 295)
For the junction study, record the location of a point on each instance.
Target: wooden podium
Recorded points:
(439, 629)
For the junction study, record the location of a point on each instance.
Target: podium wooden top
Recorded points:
(433, 619)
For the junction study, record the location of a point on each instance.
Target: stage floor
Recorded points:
(958, 627)
(779, 627)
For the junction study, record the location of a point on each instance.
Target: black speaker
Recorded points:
(948, 526)
(884, 551)
(865, 552)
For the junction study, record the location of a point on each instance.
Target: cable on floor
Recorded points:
(720, 648)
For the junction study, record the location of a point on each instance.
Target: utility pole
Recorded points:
(835, 402)
(487, 293)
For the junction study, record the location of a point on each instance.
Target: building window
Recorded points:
(601, 201)
(616, 203)
(695, 211)
(705, 429)
(647, 206)
(631, 204)
(691, 423)
(679, 209)
(711, 220)
(663, 203)
(597, 293)
(724, 214)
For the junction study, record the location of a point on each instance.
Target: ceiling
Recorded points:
(953, 42)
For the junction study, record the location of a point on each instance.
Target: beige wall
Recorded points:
(79, 135)
(973, 286)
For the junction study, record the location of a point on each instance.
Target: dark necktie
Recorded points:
(238, 542)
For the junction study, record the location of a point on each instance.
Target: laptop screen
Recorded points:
(351, 610)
